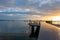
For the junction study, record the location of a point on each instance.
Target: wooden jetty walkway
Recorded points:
(35, 33)
(35, 27)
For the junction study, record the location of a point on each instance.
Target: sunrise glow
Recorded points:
(56, 18)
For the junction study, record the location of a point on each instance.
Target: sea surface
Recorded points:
(20, 30)
(14, 30)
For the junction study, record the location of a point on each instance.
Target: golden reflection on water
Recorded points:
(49, 32)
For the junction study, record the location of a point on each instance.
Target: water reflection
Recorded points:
(20, 30)
(49, 32)
(34, 30)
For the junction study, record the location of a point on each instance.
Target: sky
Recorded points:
(40, 7)
(19, 17)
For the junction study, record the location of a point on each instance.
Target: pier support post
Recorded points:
(34, 33)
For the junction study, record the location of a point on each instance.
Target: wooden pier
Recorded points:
(35, 27)
(34, 31)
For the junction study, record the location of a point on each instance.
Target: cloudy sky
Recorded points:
(31, 6)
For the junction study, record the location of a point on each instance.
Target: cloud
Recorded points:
(21, 10)
(18, 17)
(44, 6)
(26, 3)
(10, 14)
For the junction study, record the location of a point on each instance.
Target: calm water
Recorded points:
(14, 30)
(13, 26)
(20, 30)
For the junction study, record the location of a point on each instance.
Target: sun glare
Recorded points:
(56, 18)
